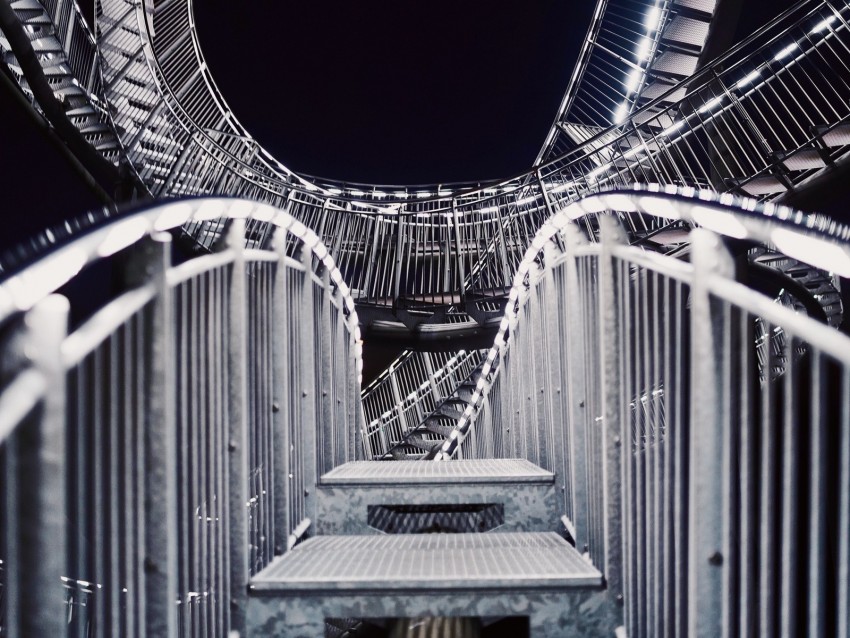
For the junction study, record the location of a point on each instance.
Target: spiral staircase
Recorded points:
(620, 462)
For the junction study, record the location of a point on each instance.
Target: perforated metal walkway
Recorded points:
(428, 562)
(446, 472)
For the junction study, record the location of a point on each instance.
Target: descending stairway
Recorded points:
(74, 79)
(354, 570)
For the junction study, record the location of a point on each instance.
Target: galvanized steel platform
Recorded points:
(460, 472)
(327, 565)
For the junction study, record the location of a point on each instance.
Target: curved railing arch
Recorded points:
(170, 445)
(640, 380)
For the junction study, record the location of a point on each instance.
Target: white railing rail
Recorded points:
(709, 493)
(171, 444)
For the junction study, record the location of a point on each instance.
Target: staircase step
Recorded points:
(675, 63)
(802, 160)
(437, 473)
(684, 30)
(538, 575)
(838, 136)
(706, 6)
(658, 88)
(767, 185)
(428, 562)
(349, 494)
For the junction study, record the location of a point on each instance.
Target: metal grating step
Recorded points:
(706, 6)
(686, 31)
(437, 472)
(802, 160)
(674, 63)
(428, 562)
(839, 136)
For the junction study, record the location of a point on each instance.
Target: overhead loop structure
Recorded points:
(762, 120)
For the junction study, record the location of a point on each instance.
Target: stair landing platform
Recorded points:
(458, 472)
(538, 575)
(353, 498)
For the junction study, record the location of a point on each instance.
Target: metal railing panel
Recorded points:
(702, 478)
(170, 442)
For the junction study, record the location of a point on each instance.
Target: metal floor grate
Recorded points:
(422, 472)
(426, 562)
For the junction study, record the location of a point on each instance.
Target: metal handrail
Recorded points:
(411, 388)
(181, 419)
(666, 414)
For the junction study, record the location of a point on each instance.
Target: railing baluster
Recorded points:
(238, 464)
(615, 432)
(711, 415)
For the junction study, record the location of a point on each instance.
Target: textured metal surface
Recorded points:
(454, 472)
(686, 31)
(528, 507)
(428, 562)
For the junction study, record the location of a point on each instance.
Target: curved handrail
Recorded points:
(193, 387)
(812, 239)
(644, 400)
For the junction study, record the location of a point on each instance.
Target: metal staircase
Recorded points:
(67, 54)
(431, 558)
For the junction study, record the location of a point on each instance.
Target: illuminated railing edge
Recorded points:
(22, 290)
(801, 236)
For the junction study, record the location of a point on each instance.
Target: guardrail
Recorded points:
(170, 445)
(711, 494)
(409, 390)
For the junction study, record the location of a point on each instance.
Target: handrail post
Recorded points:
(160, 442)
(559, 296)
(282, 396)
(38, 551)
(306, 365)
(237, 467)
(614, 432)
(711, 416)
(461, 265)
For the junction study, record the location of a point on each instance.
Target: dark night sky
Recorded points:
(396, 92)
(399, 92)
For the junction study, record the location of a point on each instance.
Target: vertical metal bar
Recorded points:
(614, 432)
(238, 468)
(709, 463)
(282, 395)
(42, 557)
(459, 248)
(816, 589)
(843, 597)
(556, 377)
(160, 453)
(789, 543)
(306, 384)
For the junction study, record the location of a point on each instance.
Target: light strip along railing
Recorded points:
(759, 120)
(714, 499)
(745, 127)
(409, 390)
(170, 445)
(726, 132)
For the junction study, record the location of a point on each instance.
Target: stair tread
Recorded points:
(511, 560)
(464, 471)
